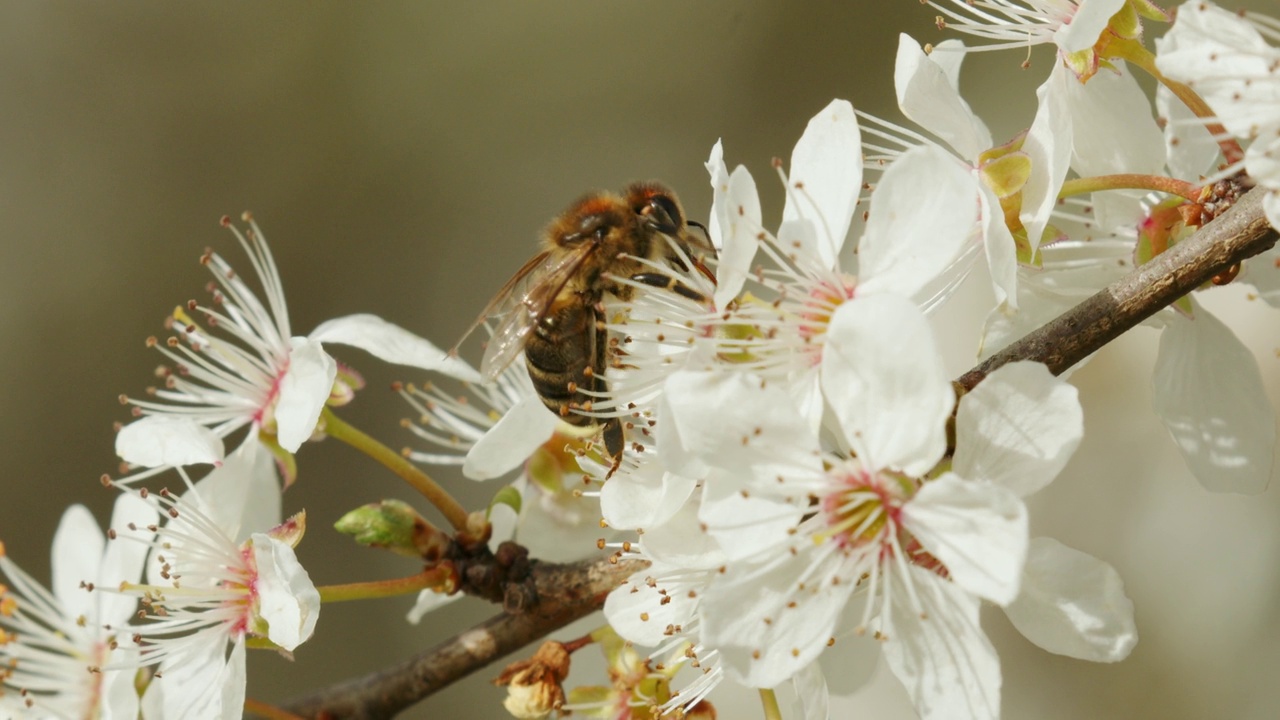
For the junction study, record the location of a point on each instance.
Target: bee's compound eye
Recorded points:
(665, 211)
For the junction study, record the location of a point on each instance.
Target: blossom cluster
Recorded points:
(155, 622)
(807, 491)
(800, 472)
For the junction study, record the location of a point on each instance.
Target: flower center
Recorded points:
(864, 508)
(821, 304)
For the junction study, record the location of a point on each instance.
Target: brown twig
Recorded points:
(1236, 235)
(564, 593)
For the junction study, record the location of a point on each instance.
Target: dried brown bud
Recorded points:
(534, 687)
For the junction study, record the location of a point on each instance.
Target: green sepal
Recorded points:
(1126, 23)
(508, 496)
(1151, 11)
(290, 531)
(1006, 175)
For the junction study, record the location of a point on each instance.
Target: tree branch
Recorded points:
(1236, 235)
(564, 593)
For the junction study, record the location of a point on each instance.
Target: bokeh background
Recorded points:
(401, 158)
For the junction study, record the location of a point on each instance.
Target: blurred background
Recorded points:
(401, 159)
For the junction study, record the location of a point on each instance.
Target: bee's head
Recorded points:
(658, 210)
(657, 207)
(593, 218)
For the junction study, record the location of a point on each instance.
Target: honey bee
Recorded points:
(552, 308)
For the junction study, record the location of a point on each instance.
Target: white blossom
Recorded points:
(236, 363)
(207, 593)
(57, 646)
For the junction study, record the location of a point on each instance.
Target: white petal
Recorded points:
(243, 496)
(944, 659)
(391, 343)
(77, 555)
(1223, 56)
(719, 188)
(1018, 428)
(911, 236)
(642, 609)
(1262, 158)
(645, 497)
(740, 224)
(746, 523)
(233, 681)
(1086, 26)
(1048, 143)
(1002, 254)
(927, 96)
(200, 682)
(683, 542)
(1271, 206)
(1263, 271)
(1113, 129)
(736, 422)
(811, 689)
(1208, 391)
(559, 527)
(1188, 145)
(304, 389)
(826, 177)
(125, 557)
(119, 696)
(850, 662)
(766, 629)
(949, 55)
(287, 599)
(884, 379)
(427, 601)
(977, 529)
(1118, 208)
(157, 440)
(510, 442)
(1073, 604)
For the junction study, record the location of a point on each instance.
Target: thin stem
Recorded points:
(270, 712)
(396, 463)
(1130, 181)
(434, 578)
(1136, 53)
(770, 702)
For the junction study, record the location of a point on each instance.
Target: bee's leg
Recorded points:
(614, 442)
(667, 282)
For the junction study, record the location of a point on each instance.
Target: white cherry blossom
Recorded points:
(881, 539)
(55, 644)
(236, 363)
(207, 592)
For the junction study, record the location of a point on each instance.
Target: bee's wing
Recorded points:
(521, 303)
